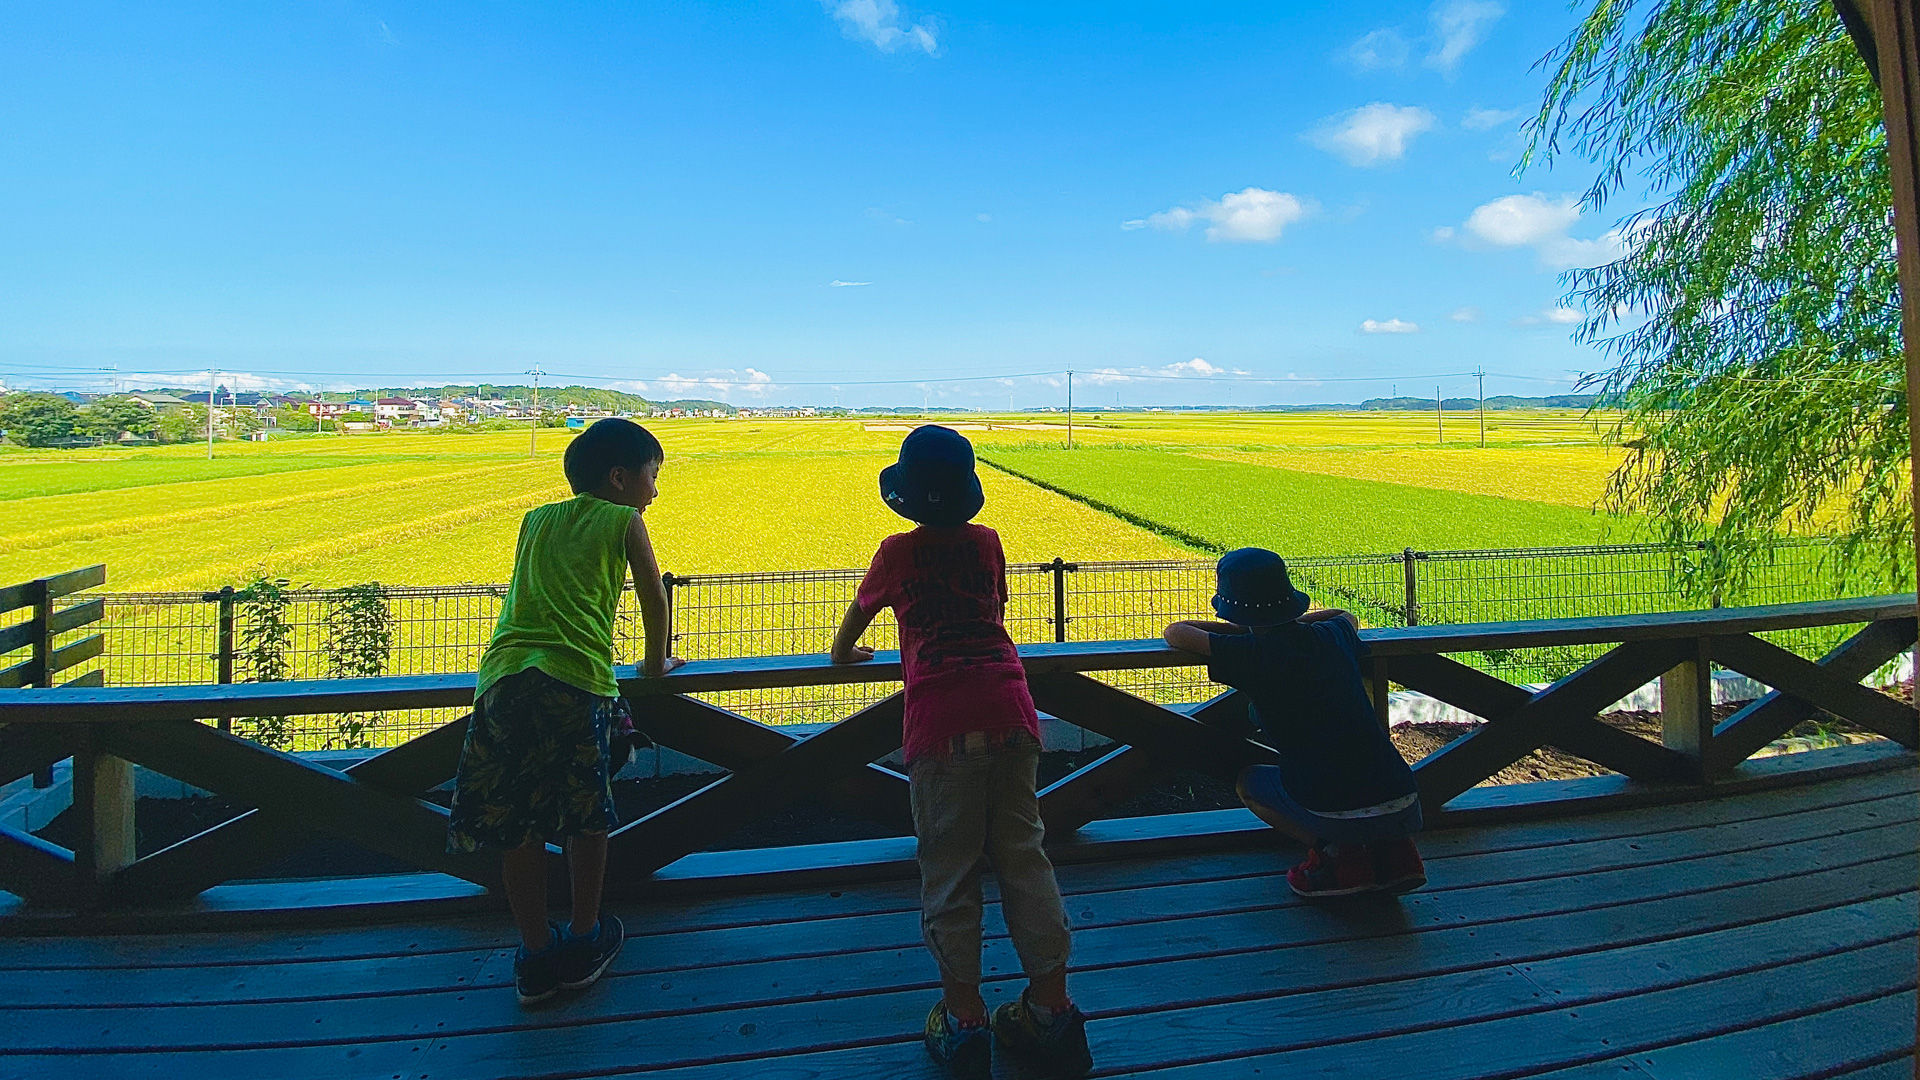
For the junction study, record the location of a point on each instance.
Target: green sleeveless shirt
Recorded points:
(569, 569)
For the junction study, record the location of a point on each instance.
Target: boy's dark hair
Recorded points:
(605, 444)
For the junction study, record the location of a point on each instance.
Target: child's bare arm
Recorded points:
(652, 594)
(1191, 635)
(846, 646)
(1330, 613)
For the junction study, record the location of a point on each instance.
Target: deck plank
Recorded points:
(1151, 901)
(1805, 1046)
(250, 947)
(1534, 1042)
(1244, 947)
(1643, 944)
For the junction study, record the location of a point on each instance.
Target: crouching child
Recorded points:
(1341, 787)
(972, 748)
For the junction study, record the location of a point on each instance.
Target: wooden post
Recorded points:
(41, 655)
(223, 647)
(1686, 708)
(1893, 55)
(1378, 691)
(103, 795)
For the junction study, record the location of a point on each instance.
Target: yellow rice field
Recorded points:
(758, 494)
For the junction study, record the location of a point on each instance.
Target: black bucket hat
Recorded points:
(933, 483)
(1254, 589)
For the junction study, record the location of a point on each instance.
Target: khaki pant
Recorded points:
(974, 809)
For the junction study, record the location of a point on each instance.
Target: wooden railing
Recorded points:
(375, 803)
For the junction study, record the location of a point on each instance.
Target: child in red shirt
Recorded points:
(972, 749)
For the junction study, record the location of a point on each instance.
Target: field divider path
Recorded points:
(1158, 528)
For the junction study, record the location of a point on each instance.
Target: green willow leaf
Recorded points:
(1753, 326)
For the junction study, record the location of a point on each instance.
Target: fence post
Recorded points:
(223, 645)
(42, 654)
(1059, 599)
(1686, 709)
(1408, 558)
(669, 581)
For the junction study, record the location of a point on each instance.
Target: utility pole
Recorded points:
(1440, 414)
(1069, 408)
(209, 414)
(533, 431)
(1481, 374)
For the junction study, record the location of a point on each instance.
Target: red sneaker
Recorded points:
(1346, 872)
(1397, 866)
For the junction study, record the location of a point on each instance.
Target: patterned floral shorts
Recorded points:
(534, 766)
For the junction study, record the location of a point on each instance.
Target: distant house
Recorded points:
(359, 405)
(326, 410)
(157, 402)
(393, 409)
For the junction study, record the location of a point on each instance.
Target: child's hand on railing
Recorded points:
(666, 665)
(854, 655)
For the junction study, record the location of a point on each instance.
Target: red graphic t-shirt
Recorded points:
(948, 591)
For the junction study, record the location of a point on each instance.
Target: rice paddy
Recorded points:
(740, 495)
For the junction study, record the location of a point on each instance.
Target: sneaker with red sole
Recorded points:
(1397, 867)
(1335, 872)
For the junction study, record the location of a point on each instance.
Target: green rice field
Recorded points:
(1138, 506)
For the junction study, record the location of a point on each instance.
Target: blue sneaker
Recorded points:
(967, 1053)
(1060, 1043)
(584, 960)
(536, 975)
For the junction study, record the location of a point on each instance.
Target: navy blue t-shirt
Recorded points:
(1309, 698)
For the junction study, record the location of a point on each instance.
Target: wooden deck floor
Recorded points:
(1760, 936)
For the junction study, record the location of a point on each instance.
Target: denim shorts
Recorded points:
(1345, 827)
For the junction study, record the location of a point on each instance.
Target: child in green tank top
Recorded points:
(534, 767)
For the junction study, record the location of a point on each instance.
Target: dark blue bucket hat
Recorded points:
(1254, 589)
(933, 483)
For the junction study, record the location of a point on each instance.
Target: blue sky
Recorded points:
(785, 201)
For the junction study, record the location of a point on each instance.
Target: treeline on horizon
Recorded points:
(620, 401)
(583, 396)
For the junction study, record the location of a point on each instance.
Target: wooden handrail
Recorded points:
(375, 802)
(302, 697)
(1661, 626)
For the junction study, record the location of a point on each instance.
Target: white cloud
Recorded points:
(1478, 119)
(1518, 220)
(1540, 222)
(878, 23)
(1253, 215)
(1558, 316)
(1196, 368)
(1468, 313)
(1371, 134)
(836, 283)
(1391, 326)
(1381, 49)
(750, 381)
(1458, 26)
(983, 217)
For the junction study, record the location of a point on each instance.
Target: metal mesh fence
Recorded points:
(176, 638)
